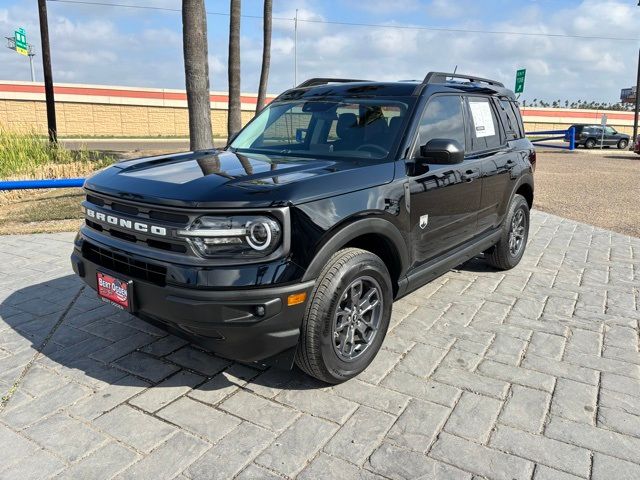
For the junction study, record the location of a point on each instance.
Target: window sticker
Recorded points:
(482, 119)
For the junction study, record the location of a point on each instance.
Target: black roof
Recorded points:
(327, 87)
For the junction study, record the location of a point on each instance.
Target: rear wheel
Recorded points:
(509, 250)
(347, 316)
(590, 143)
(623, 144)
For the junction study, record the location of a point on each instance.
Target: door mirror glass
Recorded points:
(442, 151)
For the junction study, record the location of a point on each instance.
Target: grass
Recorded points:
(30, 156)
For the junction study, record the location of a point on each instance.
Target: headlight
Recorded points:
(240, 236)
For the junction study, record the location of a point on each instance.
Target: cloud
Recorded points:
(385, 6)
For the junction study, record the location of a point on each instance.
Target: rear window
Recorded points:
(511, 127)
(511, 116)
(484, 124)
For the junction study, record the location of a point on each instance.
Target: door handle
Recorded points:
(470, 175)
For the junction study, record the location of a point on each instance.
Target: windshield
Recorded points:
(348, 128)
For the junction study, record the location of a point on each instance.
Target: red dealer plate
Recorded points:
(115, 291)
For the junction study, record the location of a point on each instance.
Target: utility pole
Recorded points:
(637, 109)
(31, 55)
(295, 49)
(46, 70)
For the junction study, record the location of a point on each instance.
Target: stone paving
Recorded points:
(528, 374)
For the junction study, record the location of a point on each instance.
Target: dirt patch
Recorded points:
(38, 211)
(601, 190)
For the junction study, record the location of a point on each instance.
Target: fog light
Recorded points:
(296, 298)
(260, 311)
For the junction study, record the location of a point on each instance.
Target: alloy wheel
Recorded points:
(357, 318)
(517, 232)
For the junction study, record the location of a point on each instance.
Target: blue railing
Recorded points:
(571, 134)
(33, 184)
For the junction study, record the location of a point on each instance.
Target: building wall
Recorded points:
(101, 111)
(108, 111)
(99, 120)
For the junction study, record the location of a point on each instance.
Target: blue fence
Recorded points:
(33, 184)
(562, 135)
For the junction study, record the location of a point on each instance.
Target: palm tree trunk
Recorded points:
(266, 54)
(234, 123)
(196, 69)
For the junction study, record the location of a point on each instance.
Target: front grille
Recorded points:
(167, 219)
(95, 200)
(118, 207)
(124, 264)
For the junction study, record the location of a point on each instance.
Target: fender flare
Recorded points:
(353, 230)
(526, 179)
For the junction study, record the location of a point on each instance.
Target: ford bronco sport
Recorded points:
(293, 242)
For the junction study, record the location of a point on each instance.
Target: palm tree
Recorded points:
(196, 69)
(266, 54)
(234, 122)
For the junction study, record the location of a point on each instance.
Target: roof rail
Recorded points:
(312, 82)
(441, 77)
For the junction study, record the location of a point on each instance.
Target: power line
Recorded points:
(376, 25)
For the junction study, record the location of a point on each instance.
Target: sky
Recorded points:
(114, 45)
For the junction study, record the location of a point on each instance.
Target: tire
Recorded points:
(502, 255)
(324, 349)
(590, 143)
(623, 144)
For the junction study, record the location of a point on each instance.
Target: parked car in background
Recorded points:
(590, 136)
(636, 146)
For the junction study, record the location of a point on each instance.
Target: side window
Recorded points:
(485, 130)
(516, 111)
(511, 125)
(442, 118)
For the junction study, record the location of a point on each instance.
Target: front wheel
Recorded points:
(509, 250)
(347, 317)
(623, 144)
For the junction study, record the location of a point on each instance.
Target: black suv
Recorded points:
(293, 242)
(590, 136)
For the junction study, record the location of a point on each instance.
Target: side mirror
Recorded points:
(442, 151)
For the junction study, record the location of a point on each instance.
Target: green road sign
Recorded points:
(21, 42)
(520, 74)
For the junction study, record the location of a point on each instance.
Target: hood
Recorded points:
(222, 179)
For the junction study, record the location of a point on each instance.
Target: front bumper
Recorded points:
(247, 325)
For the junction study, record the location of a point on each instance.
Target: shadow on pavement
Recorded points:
(79, 336)
(476, 264)
(623, 157)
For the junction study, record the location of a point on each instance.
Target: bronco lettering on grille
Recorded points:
(124, 223)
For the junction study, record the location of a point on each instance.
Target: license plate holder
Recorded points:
(115, 291)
